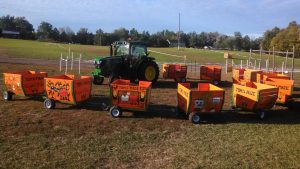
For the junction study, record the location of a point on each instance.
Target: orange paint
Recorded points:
(210, 72)
(25, 83)
(68, 89)
(207, 98)
(240, 76)
(262, 77)
(254, 96)
(285, 88)
(128, 96)
(174, 71)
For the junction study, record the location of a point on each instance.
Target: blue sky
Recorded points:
(250, 17)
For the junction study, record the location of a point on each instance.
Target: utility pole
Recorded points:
(178, 32)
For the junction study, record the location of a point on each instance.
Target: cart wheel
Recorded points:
(262, 115)
(216, 82)
(7, 95)
(183, 80)
(194, 118)
(115, 112)
(290, 104)
(49, 104)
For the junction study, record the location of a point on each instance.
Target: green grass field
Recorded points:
(45, 50)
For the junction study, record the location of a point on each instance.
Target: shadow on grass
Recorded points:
(165, 84)
(296, 89)
(95, 103)
(279, 116)
(225, 117)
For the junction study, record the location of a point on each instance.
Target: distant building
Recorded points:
(10, 34)
(174, 43)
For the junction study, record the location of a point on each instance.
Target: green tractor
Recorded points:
(127, 60)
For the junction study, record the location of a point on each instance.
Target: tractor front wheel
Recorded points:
(112, 78)
(98, 80)
(148, 71)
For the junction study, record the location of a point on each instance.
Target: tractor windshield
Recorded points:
(138, 50)
(122, 50)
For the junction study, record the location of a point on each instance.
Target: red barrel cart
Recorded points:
(211, 73)
(174, 71)
(207, 98)
(126, 96)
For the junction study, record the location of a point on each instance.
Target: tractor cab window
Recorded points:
(138, 50)
(122, 50)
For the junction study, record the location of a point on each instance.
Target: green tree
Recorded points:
(24, 27)
(246, 43)
(98, 38)
(121, 34)
(44, 31)
(54, 34)
(287, 38)
(267, 38)
(237, 41)
(7, 23)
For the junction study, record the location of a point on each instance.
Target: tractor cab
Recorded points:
(134, 49)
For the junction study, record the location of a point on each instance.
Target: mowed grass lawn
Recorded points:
(84, 136)
(46, 50)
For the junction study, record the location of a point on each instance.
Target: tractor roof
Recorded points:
(130, 42)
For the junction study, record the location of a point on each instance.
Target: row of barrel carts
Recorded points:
(253, 90)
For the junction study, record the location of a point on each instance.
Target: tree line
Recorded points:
(281, 39)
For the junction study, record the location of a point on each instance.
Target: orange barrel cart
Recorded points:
(23, 83)
(263, 76)
(285, 89)
(241, 76)
(211, 73)
(254, 97)
(174, 71)
(127, 96)
(238, 75)
(207, 98)
(67, 89)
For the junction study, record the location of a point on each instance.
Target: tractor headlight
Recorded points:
(97, 62)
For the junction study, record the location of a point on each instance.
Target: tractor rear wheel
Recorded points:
(148, 71)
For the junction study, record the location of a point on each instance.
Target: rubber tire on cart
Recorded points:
(290, 104)
(194, 118)
(49, 104)
(180, 80)
(216, 82)
(262, 115)
(98, 80)
(115, 111)
(7, 96)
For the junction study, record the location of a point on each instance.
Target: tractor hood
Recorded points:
(99, 59)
